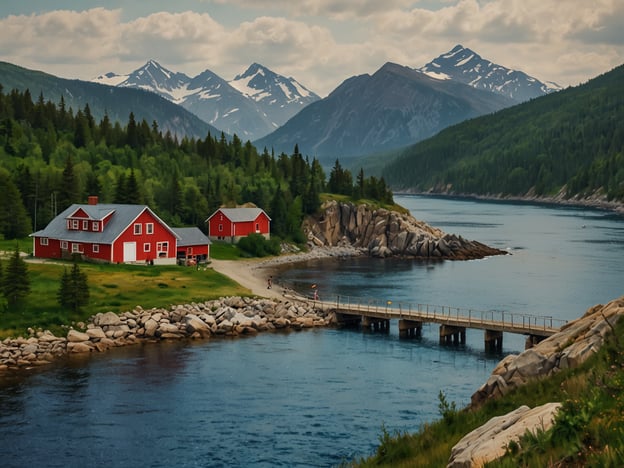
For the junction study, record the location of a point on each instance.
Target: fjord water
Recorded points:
(317, 397)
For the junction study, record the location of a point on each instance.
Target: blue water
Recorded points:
(317, 397)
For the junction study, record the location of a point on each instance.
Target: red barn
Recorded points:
(113, 233)
(233, 223)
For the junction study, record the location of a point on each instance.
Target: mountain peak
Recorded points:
(466, 66)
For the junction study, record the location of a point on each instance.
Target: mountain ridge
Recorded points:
(253, 104)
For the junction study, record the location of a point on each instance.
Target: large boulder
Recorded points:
(489, 442)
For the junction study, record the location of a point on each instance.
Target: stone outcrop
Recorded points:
(384, 233)
(577, 341)
(230, 317)
(488, 442)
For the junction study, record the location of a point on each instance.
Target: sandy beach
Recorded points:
(249, 274)
(253, 274)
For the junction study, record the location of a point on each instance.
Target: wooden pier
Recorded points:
(453, 321)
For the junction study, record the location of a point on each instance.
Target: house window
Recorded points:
(147, 247)
(43, 241)
(257, 227)
(76, 248)
(149, 228)
(64, 245)
(95, 226)
(85, 225)
(189, 251)
(220, 227)
(74, 224)
(137, 229)
(162, 248)
(96, 248)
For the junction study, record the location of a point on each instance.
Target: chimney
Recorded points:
(93, 200)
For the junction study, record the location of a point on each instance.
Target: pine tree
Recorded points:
(132, 191)
(73, 292)
(69, 192)
(15, 281)
(14, 220)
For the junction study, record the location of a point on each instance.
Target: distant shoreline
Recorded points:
(593, 203)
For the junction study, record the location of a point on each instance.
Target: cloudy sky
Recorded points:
(318, 42)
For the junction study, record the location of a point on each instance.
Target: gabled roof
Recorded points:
(240, 215)
(123, 216)
(190, 236)
(95, 212)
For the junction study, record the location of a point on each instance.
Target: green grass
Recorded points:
(8, 246)
(589, 431)
(224, 251)
(116, 288)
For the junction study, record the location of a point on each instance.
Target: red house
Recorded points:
(233, 223)
(113, 233)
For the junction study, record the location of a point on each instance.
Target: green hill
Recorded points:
(572, 140)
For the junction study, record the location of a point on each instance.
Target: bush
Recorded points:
(256, 245)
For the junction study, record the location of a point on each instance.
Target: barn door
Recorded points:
(129, 252)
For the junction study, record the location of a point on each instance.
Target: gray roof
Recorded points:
(122, 217)
(190, 236)
(240, 215)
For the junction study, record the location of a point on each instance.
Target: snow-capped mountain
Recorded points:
(252, 105)
(466, 66)
(277, 96)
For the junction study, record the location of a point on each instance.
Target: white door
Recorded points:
(129, 250)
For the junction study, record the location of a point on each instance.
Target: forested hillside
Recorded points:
(572, 140)
(105, 100)
(51, 156)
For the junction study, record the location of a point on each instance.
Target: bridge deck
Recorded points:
(495, 320)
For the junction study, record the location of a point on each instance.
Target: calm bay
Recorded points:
(317, 397)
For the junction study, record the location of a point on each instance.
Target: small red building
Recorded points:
(233, 223)
(113, 233)
(193, 245)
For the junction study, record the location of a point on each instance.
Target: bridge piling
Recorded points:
(452, 335)
(410, 329)
(377, 324)
(493, 340)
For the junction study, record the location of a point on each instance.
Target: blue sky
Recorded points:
(319, 42)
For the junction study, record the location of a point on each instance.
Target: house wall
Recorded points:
(146, 244)
(55, 249)
(192, 252)
(219, 219)
(234, 231)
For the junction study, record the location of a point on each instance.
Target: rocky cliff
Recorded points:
(384, 233)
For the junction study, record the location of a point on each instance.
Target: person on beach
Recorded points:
(270, 282)
(315, 292)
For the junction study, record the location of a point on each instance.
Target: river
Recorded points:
(317, 397)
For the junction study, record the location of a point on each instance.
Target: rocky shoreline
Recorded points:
(225, 317)
(382, 233)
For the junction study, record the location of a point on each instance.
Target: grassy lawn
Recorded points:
(115, 288)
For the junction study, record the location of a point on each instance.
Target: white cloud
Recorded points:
(320, 42)
(337, 10)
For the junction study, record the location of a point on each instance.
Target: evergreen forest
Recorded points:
(571, 142)
(51, 157)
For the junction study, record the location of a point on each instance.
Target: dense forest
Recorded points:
(51, 157)
(571, 140)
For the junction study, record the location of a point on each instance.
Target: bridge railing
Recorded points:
(493, 318)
